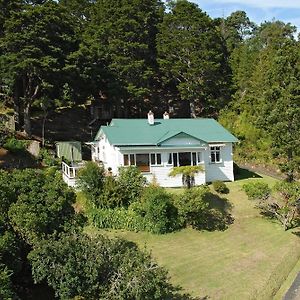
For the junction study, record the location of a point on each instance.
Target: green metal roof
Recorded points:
(69, 150)
(135, 132)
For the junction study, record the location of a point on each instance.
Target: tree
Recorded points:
(121, 36)
(285, 205)
(34, 48)
(42, 206)
(188, 174)
(111, 269)
(235, 29)
(191, 55)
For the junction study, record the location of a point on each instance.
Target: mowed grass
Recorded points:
(249, 260)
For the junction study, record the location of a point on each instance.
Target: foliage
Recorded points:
(153, 212)
(157, 210)
(220, 187)
(90, 180)
(112, 269)
(191, 205)
(35, 46)
(14, 145)
(285, 205)
(43, 205)
(48, 158)
(257, 190)
(188, 174)
(191, 58)
(116, 218)
(131, 184)
(6, 287)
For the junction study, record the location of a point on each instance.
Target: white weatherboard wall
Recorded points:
(220, 171)
(112, 157)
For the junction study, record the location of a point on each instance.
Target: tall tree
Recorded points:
(122, 36)
(191, 55)
(34, 49)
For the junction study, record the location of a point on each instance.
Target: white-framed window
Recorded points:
(200, 159)
(141, 161)
(215, 154)
(155, 159)
(177, 159)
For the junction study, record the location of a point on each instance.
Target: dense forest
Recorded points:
(146, 54)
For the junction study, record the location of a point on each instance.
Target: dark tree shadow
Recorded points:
(245, 174)
(297, 233)
(216, 202)
(218, 215)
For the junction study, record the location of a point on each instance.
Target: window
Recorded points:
(215, 154)
(194, 158)
(155, 159)
(185, 159)
(142, 162)
(139, 160)
(126, 160)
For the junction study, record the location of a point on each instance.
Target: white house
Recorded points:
(156, 146)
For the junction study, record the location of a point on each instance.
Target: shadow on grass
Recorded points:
(216, 202)
(297, 233)
(241, 174)
(218, 216)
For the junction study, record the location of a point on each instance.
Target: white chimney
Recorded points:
(166, 115)
(150, 118)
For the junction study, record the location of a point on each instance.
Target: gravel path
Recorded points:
(294, 291)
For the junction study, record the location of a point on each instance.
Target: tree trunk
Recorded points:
(192, 109)
(43, 127)
(27, 121)
(18, 111)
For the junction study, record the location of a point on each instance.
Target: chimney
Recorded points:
(150, 118)
(166, 115)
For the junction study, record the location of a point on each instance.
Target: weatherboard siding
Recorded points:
(220, 171)
(112, 157)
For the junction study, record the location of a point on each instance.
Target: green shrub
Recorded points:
(117, 218)
(111, 195)
(220, 187)
(131, 184)
(157, 209)
(91, 181)
(192, 206)
(48, 158)
(154, 213)
(14, 145)
(257, 190)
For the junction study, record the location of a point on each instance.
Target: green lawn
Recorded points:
(250, 260)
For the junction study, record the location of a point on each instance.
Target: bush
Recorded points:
(157, 209)
(90, 181)
(192, 206)
(220, 187)
(117, 218)
(111, 195)
(131, 184)
(154, 213)
(48, 158)
(15, 146)
(111, 269)
(257, 190)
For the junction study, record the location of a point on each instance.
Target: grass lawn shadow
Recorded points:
(216, 202)
(245, 174)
